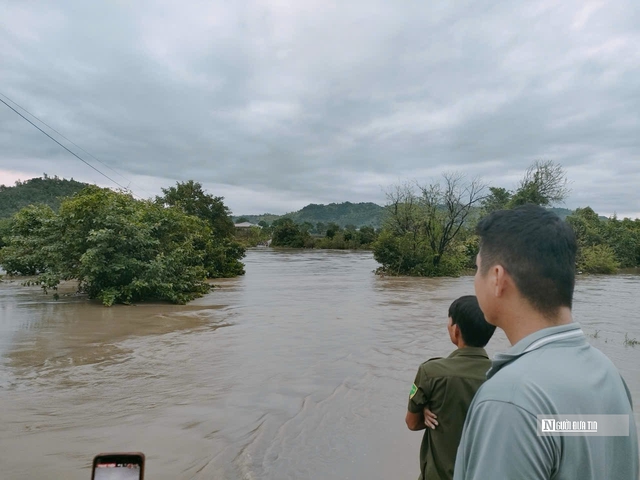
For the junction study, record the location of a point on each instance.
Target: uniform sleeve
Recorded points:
(420, 392)
(500, 440)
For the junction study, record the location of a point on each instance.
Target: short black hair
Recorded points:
(465, 312)
(537, 249)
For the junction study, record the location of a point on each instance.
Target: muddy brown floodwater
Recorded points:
(301, 369)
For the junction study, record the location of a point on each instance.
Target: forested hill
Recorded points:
(47, 190)
(346, 213)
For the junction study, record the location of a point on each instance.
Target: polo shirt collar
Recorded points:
(570, 334)
(469, 352)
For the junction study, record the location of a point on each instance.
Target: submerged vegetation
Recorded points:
(630, 342)
(286, 233)
(122, 250)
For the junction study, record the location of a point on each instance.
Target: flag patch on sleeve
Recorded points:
(414, 389)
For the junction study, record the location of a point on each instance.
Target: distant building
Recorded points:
(244, 225)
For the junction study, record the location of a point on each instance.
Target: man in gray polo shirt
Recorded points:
(524, 285)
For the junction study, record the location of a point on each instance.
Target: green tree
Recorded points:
(120, 249)
(5, 230)
(624, 241)
(253, 236)
(306, 227)
(332, 229)
(192, 200)
(597, 259)
(498, 199)
(423, 226)
(544, 183)
(366, 236)
(28, 244)
(605, 245)
(287, 234)
(587, 226)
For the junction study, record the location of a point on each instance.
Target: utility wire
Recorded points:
(73, 143)
(71, 152)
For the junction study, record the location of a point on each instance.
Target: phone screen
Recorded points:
(118, 467)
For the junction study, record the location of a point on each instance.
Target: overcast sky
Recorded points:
(275, 104)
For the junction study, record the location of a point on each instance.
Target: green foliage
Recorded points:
(28, 244)
(306, 227)
(544, 183)
(348, 239)
(402, 254)
(470, 246)
(286, 233)
(253, 236)
(46, 190)
(498, 199)
(5, 230)
(366, 236)
(192, 200)
(425, 226)
(624, 239)
(620, 237)
(409, 255)
(120, 249)
(597, 259)
(587, 227)
(332, 229)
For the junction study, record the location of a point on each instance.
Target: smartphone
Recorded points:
(118, 466)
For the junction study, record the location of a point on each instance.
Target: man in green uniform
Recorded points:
(447, 386)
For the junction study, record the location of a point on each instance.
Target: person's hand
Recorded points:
(430, 419)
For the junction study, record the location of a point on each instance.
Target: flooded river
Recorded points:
(301, 369)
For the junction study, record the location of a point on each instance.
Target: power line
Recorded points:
(71, 152)
(73, 143)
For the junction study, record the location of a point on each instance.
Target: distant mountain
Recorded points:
(47, 190)
(346, 213)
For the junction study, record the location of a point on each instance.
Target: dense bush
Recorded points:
(597, 259)
(286, 233)
(617, 241)
(119, 249)
(408, 255)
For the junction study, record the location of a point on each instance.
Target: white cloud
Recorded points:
(582, 17)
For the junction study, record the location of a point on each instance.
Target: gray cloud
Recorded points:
(278, 104)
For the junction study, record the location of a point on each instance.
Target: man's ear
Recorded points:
(457, 334)
(499, 280)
